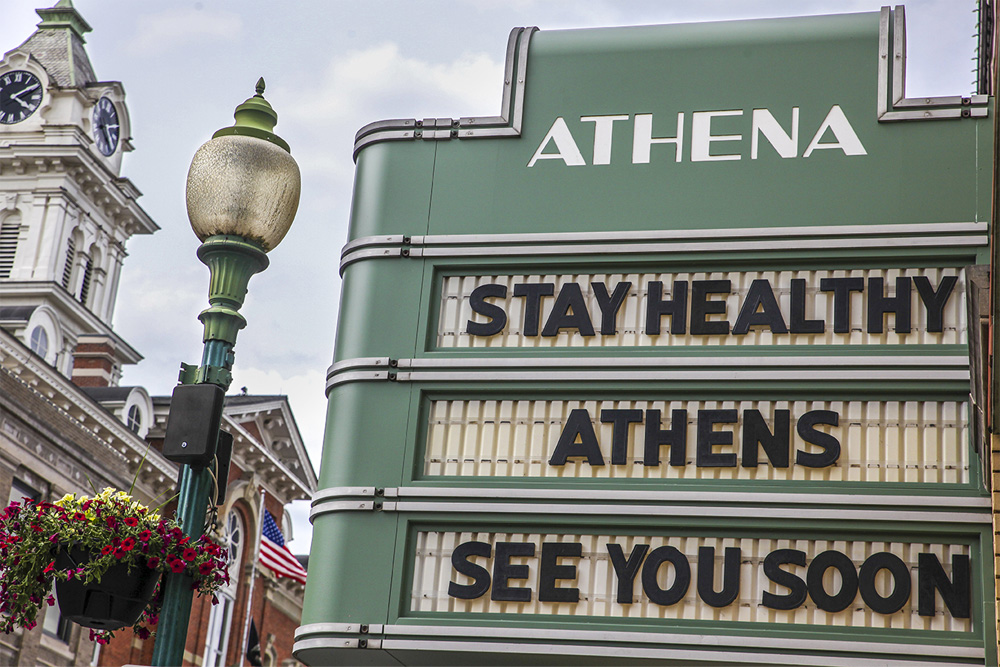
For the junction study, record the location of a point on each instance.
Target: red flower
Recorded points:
(51, 566)
(128, 544)
(112, 522)
(119, 553)
(50, 600)
(177, 566)
(107, 549)
(145, 535)
(189, 554)
(131, 521)
(153, 561)
(205, 568)
(80, 516)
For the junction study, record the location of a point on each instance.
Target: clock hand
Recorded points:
(14, 96)
(21, 102)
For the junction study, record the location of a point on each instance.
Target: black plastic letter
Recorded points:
(756, 432)
(549, 571)
(955, 592)
(798, 324)
(657, 307)
(760, 295)
(934, 302)
(848, 581)
(610, 305)
(503, 572)
(578, 425)
(675, 437)
(796, 587)
(626, 570)
(708, 438)
(533, 293)
(480, 575)
(498, 318)
(879, 304)
(901, 584)
(730, 576)
(682, 576)
(570, 299)
(702, 307)
(830, 445)
(619, 433)
(841, 288)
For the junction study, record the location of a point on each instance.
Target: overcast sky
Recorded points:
(331, 67)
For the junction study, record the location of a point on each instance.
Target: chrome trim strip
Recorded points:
(709, 246)
(739, 497)
(623, 636)
(649, 376)
(360, 376)
(360, 362)
(350, 246)
(949, 361)
(332, 507)
(637, 369)
(370, 253)
(724, 657)
(889, 102)
(323, 495)
(507, 124)
(916, 235)
(894, 231)
(325, 628)
(692, 511)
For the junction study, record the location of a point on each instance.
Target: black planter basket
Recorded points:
(114, 602)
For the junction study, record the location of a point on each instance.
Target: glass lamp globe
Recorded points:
(243, 186)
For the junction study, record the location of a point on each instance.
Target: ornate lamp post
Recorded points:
(242, 194)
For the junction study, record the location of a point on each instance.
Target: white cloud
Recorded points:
(175, 28)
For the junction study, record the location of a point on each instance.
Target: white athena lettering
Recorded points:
(704, 144)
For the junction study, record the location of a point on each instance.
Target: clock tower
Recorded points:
(65, 212)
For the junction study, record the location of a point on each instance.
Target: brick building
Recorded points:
(65, 217)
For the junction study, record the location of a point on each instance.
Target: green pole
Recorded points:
(259, 208)
(231, 261)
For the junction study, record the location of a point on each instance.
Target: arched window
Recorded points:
(39, 341)
(221, 619)
(133, 420)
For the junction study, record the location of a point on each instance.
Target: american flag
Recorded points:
(275, 555)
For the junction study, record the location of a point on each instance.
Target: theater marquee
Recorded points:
(670, 361)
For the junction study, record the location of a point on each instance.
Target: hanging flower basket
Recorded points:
(105, 555)
(117, 600)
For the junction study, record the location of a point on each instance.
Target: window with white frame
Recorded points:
(220, 620)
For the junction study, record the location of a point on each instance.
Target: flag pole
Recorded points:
(253, 578)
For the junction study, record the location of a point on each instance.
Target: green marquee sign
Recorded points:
(669, 361)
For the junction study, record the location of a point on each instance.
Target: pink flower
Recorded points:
(50, 600)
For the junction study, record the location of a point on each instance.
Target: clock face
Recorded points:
(105, 126)
(20, 95)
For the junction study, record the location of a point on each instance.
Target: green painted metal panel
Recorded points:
(432, 203)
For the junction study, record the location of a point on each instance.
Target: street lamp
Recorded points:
(242, 194)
